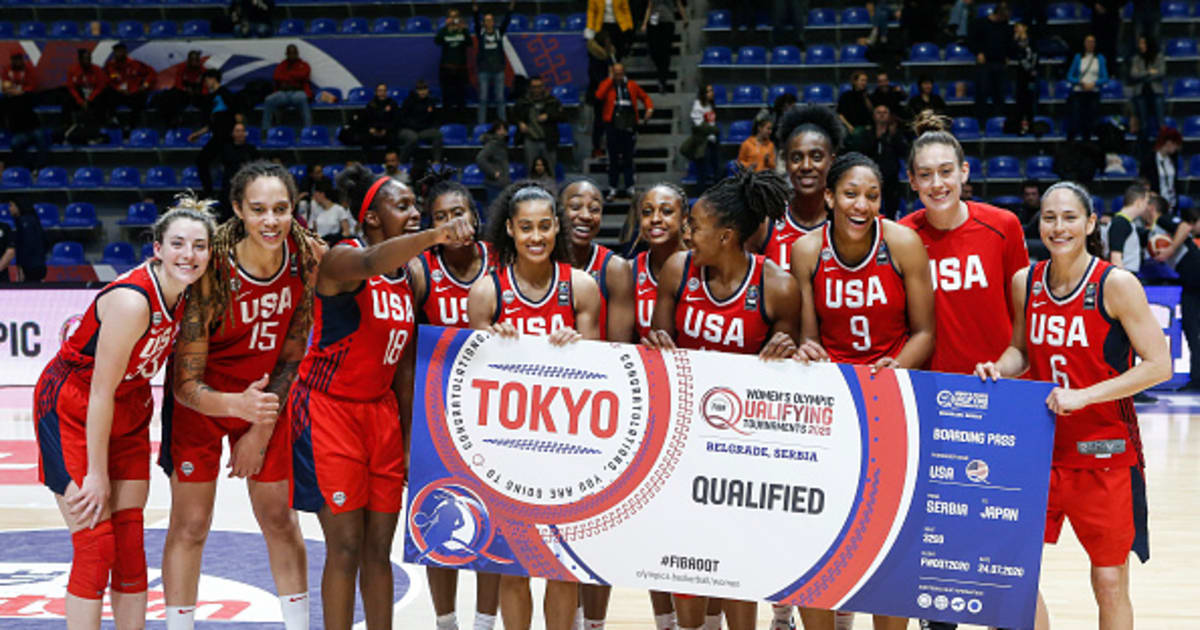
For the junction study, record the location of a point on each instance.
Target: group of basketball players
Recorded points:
(303, 359)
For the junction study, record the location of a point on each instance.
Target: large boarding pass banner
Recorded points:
(904, 493)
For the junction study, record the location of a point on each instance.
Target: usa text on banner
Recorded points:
(905, 493)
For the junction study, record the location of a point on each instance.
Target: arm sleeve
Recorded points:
(1073, 73)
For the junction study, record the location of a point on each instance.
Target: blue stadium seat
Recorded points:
(984, 9)
(315, 136)
(280, 138)
(88, 177)
(718, 19)
(1062, 89)
(1012, 202)
(959, 53)
(147, 251)
(354, 26)
(720, 95)
(575, 22)
(965, 128)
(822, 18)
(190, 178)
(51, 177)
(1040, 167)
(80, 215)
(1174, 9)
(718, 56)
(359, 96)
(1191, 126)
(6, 30)
(161, 177)
(31, 30)
(5, 138)
(731, 168)
(516, 170)
(1180, 48)
(454, 134)
(196, 28)
(299, 172)
(16, 177)
(1169, 121)
(64, 30)
(976, 168)
(130, 29)
(290, 27)
(566, 134)
(140, 214)
(162, 29)
(753, 55)
(995, 127)
(1186, 87)
(1003, 167)
(1050, 124)
(783, 56)
(739, 130)
(547, 22)
(1043, 90)
(853, 54)
(856, 16)
(143, 138)
(747, 95)
(821, 93)
(125, 177)
(566, 94)
(472, 176)
(692, 176)
(387, 26)
(519, 23)
(924, 52)
(1062, 11)
(1113, 90)
(1130, 167)
(332, 171)
(105, 31)
(820, 54)
(398, 94)
(322, 26)
(5, 215)
(118, 253)
(950, 92)
(477, 133)
(66, 253)
(418, 24)
(47, 214)
(1098, 204)
(1185, 202)
(176, 138)
(775, 91)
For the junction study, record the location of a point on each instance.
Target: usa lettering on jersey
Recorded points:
(854, 293)
(1059, 331)
(714, 328)
(958, 274)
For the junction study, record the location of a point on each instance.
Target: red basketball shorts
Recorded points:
(1107, 508)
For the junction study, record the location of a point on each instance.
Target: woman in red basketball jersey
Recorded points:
(351, 406)
(441, 278)
(1079, 321)
(534, 291)
(583, 207)
(811, 136)
(719, 297)
(92, 409)
(661, 212)
(865, 294)
(249, 318)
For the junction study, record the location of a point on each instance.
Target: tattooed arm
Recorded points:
(296, 342)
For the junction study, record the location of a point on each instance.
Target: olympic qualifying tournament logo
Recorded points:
(721, 408)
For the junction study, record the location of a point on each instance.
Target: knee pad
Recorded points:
(94, 553)
(129, 565)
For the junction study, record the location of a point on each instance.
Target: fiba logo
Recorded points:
(721, 408)
(924, 600)
(977, 471)
(945, 398)
(450, 525)
(436, 275)
(68, 327)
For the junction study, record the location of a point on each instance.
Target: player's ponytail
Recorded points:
(932, 129)
(746, 198)
(1093, 243)
(505, 206)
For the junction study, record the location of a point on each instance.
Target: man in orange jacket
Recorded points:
(620, 97)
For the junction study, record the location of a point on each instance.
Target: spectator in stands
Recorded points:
(621, 96)
(602, 55)
(1089, 71)
(1147, 20)
(292, 89)
(612, 17)
(419, 121)
(8, 252)
(454, 41)
(18, 85)
(888, 94)
(492, 160)
(234, 154)
(1033, 15)
(188, 90)
(31, 244)
(1124, 246)
(222, 110)
(537, 114)
(991, 39)
(541, 173)
(252, 18)
(701, 147)
(1106, 26)
(782, 104)
(960, 19)
(1161, 167)
(658, 26)
(392, 167)
(1031, 205)
(886, 143)
(854, 106)
(1146, 73)
(380, 120)
(757, 152)
(489, 59)
(85, 87)
(1026, 57)
(882, 12)
(306, 185)
(968, 191)
(129, 83)
(926, 98)
(329, 220)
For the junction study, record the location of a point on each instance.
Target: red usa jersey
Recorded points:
(781, 233)
(645, 293)
(553, 311)
(972, 268)
(151, 350)
(737, 324)
(597, 268)
(862, 309)
(359, 337)
(248, 337)
(1073, 342)
(445, 302)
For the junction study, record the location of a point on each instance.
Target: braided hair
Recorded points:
(746, 198)
(1093, 244)
(503, 209)
(232, 231)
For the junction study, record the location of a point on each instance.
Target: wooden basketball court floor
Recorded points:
(1166, 591)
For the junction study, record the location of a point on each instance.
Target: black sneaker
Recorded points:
(1190, 387)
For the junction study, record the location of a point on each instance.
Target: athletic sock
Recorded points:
(295, 611)
(578, 625)
(181, 617)
(484, 621)
(782, 619)
(843, 620)
(665, 621)
(593, 624)
(712, 622)
(448, 621)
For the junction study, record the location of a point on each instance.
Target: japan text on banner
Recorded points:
(905, 493)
